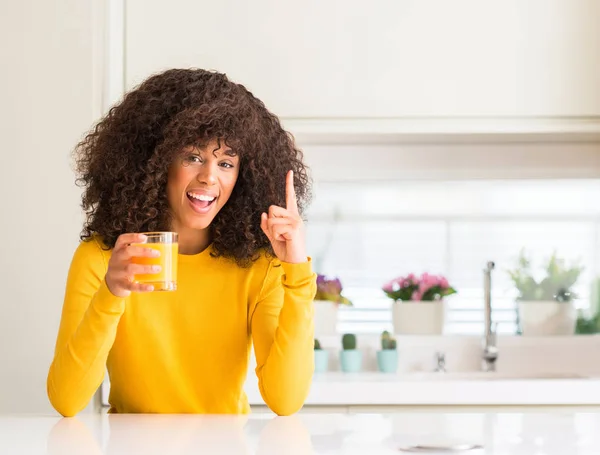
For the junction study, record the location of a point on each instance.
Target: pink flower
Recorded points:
(389, 287)
(399, 283)
(426, 286)
(427, 282)
(417, 295)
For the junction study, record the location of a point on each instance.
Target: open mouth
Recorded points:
(200, 202)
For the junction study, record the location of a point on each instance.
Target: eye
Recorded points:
(192, 159)
(227, 165)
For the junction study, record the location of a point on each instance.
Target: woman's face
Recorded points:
(200, 182)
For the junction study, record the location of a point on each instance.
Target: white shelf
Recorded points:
(442, 130)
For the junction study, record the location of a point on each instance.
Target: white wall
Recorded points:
(454, 160)
(383, 58)
(48, 91)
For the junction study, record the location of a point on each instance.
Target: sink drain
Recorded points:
(441, 448)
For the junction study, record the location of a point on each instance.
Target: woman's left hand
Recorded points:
(284, 228)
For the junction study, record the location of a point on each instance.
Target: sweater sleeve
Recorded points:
(282, 327)
(88, 327)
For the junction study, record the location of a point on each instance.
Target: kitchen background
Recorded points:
(386, 229)
(441, 135)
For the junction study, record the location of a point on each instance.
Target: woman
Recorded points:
(191, 152)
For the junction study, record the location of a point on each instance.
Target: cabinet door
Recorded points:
(383, 58)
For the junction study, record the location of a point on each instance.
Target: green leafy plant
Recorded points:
(317, 345)
(588, 326)
(387, 341)
(348, 341)
(555, 284)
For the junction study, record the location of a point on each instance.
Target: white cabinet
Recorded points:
(382, 59)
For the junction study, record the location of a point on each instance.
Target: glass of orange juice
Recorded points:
(167, 244)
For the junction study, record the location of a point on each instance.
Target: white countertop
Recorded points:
(474, 388)
(550, 433)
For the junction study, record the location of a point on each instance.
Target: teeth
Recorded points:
(201, 197)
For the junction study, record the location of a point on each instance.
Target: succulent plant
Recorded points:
(387, 341)
(317, 345)
(349, 341)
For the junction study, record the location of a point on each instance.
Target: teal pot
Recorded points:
(387, 360)
(321, 360)
(351, 360)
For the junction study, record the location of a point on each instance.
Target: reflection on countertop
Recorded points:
(553, 432)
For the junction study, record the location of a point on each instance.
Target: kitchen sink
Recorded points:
(373, 376)
(487, 376)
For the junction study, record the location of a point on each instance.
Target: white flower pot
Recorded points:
(419, 318)
(325, 318)
(539, 318)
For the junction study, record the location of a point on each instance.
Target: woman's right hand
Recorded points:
(121, 270)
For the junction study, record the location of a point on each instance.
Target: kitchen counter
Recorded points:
(549, 433)
(451, 389)
(530, 371)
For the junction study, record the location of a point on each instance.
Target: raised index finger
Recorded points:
(290, 193)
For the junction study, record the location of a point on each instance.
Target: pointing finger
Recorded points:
(264, 225)
(290, 193)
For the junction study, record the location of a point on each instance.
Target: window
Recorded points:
(369, 232)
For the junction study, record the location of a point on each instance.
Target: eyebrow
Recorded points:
(228, 152)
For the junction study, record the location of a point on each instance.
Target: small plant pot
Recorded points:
(351, 360)
(325, 318)
(547, 318)
(419, 318)
(321, 360)
(387, 360)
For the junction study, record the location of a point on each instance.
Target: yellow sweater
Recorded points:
(185, 351)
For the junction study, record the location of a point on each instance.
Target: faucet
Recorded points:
(490, 350)
(441, 362)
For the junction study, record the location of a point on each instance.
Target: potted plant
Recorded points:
(588, 321)
(545, 305)
(321, 358)
(418, 303)
(350, 357)
(327, 299)
(587, 325)
(387, 357)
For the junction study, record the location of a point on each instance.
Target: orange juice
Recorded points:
(166, 279)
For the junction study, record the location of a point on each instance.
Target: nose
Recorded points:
(207, 175)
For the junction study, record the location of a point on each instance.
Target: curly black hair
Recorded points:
(123, 161)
